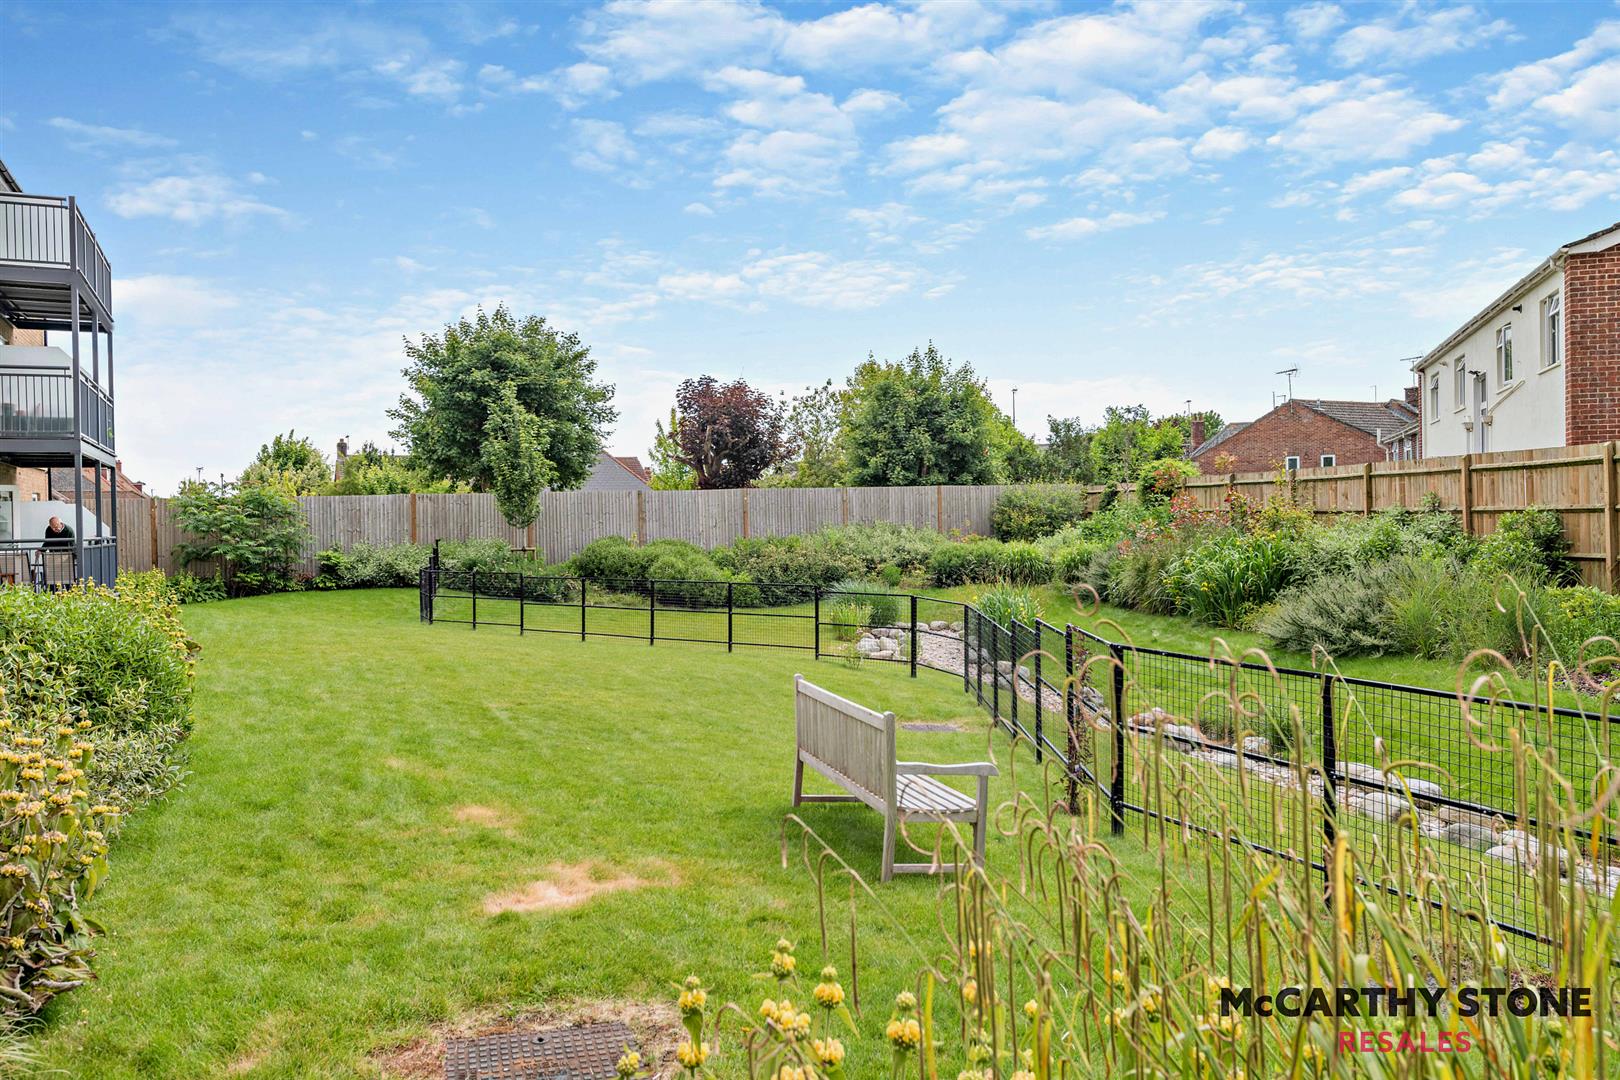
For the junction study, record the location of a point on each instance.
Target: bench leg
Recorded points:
(979, 823)
(798, 780)
(888, 844)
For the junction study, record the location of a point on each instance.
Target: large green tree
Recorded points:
(668, 471)
(1130, 438)
(290, 464)
(814, 420)
(921, 420)
(1068, 450)
(456, 378)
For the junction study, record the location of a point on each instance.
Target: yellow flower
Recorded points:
(691, 1055)
(970, 991)
(829, 995)
(629, 1064)
(1032, 1008)
(782, 964)
(903, 1034)
(768, 1009)
(14, 870)
(692, 1001)
(905, 1001)
(792, 1072)
(829, 1053)
(1117, 976)
(1023, 1074)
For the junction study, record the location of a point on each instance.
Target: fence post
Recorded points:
(652, 610)
(1366, 490)
(1465, 497)
(1039, 696)
(815, 616)
(995, 672)
(1116, 786)
(582, 608)
(1072, 742)
(1611, 535)
(913, 635)
(730, 587)
(522, 593)
(472, 586)
(411, 502)
(1330, 766)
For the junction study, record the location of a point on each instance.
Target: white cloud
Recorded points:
(884, 224)
(602, 146)
(817, 280)
(191, 198)
(1417, 34)
(881, 35)
(872, 103)
(101, 136)
(1313, 21)
(698, 209)
(1590, 103)
(1365, 120)
(1078, 228)
(1220, 143)
(661, 39)
(175, 300)
(1543, 81)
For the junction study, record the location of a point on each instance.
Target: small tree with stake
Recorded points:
(729, 433)
(513, 454)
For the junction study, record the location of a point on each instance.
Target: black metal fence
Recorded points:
(1248, 735)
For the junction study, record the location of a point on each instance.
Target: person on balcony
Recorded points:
(57, 534)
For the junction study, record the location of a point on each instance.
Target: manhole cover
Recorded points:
(930, 727)
(590, 1052)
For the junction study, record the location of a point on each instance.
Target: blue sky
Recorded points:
(1098, 204)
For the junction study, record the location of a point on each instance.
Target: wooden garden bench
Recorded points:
(854, 748)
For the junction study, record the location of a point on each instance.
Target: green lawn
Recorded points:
(361, 785)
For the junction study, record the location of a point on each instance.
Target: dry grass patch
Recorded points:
(657, 1028)
(568, 885)
(488, 816)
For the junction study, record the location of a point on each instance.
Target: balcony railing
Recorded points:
(29, 563)
(39, 405)
(49, 231)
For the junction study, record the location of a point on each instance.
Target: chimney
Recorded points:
(1197, 433)
(1412, 395)
(342, 456)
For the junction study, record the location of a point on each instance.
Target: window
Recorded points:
(1291, 462)
(1552, 325)
(1329, 459)
(1434, 397)
(1504, 355)
(1460, 377)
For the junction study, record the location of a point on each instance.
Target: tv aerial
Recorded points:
(1290, 372)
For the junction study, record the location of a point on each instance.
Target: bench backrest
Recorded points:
(848, 738)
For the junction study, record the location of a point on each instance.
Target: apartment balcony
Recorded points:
(48, 253)
(41, 403)
(32, 564)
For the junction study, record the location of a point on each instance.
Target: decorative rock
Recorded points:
(1452, 815)
(1256, 744)
(1182, 731)
(1509, 853)
(1224, 758)
(1469, 834)
(957, 627)
(868, 645)
(1004, 667)
(1091, 698)
(1381, 805)
(939, 624)
(1367, 774)
(1603, 880)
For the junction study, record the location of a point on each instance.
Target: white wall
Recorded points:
(32, 517)
(1524, 414)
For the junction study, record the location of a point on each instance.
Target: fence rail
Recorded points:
(1251, 734)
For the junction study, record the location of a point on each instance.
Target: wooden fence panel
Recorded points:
(135, 534)
(793, 511)
(1569, 479)
(704, 518)
(916, 506)
(462, 517)
(571, 519)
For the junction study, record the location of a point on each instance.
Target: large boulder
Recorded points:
(1369, 775)
(1468, 834)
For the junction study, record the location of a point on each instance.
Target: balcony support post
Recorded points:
(78, 430)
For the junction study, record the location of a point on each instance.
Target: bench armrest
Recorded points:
(924, 768)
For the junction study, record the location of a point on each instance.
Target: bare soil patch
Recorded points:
(488, 816)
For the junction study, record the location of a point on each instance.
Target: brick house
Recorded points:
(1304, 434)
(1537, 367)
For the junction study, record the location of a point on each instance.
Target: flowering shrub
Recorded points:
(55, 844)
(1164, 478)
(1224, 579)
(1031, 513)
(126, 663)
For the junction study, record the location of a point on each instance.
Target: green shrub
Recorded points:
(1004, 603)
(1022, 563)
(964, 562)
(866, 549)
(1162, 479)
(692, 579)
(786, 560)
(883, 606)
(612, 557)
(847, 617)
(1344, 614)
(1228, 575)
(125, 662)
(1030, 513)
(253, 533)
(891, 576)
(487, 554)
(1136, 575)
(369, 566)
(1587, 630)
(1528, 544)
(1073, 561)
(188, 588)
